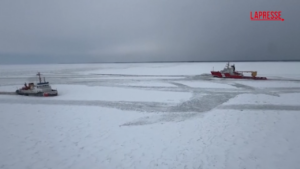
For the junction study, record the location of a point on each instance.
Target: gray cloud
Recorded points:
(34, 31)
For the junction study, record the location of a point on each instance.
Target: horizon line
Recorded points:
(149, 62)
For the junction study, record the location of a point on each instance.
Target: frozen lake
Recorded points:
(168, 115)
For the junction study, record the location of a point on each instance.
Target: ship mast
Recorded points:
(39, 77)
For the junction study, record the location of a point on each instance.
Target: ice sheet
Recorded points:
(205, 84)
(80, 92)
(260, 99)
(92, 137)
(183, 126)
(270, 84)
(151, 84)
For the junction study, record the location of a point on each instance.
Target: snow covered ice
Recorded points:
(166, 116)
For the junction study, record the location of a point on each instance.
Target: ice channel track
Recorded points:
(161, 112)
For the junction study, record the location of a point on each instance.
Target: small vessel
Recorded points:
(230, 72)
(40, 89)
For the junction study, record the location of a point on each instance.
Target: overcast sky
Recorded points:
(60, 31)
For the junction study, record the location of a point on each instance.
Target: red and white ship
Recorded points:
(229, 72)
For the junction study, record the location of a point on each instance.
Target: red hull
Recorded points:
(227, 75)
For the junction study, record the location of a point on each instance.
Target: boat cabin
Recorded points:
(44, 86)
(30, 86)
